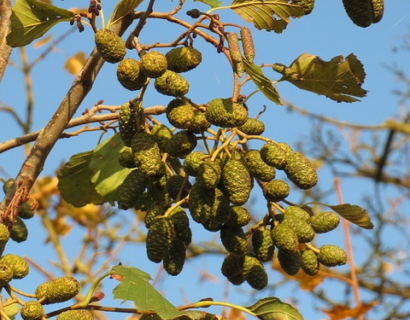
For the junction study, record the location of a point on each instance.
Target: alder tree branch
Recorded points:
(5, 49)
(81, 86)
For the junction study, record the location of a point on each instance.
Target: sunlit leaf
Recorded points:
(31, 19)
(339, 312)
(261, 81)
(42, 42)
(187, 315)
(134, 286)
(11, 309)
(123, 8)
(74, 181)
(272, 308)
(338, 79)
(75, 63)
(268, 14)
(211, 3)
(108, 174)
(76, 10)
(354, 214)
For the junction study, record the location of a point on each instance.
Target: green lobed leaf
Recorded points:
(134, 286)
(354, 214)
(268, 14)
(122, 8)
(211, 3)
(261, 81)
(30, 19)
(74, 181)
(338, 79)
(272, 308)
(108, 174)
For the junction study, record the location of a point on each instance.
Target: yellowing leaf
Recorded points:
(31, 19)
(339, 312)
(338, 79)
(11, 308)
(211, 3)
(261, 81)
(268, 14)
(123, 8)
(354, 214)
(79, 10)
(75, 63)
(235, 314)
(42, 42)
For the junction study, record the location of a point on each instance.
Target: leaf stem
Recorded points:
(204, 304)
(90, 293)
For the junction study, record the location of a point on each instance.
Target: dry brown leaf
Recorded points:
(75, 63)
(339, 312)
(235, 314)
(42, 41)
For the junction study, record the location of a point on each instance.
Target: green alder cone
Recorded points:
(157, 209)
(32, 310)
(18, 265)
(289, 261)
(76, 315)
(180, 114)
(201, 202)
(131, 120)
(185, 236)
(359, 11)
(209, 174)
(129, 75)
(258, 168)
(262, 244)
(220, 209)
(24, 210)
(6, 274)
(193, 161)
(326, 221)
(126, 158)
(239, 68)
(331, 256)
(233, 44)
(307, 5)
(171, 84)
(275, 190)
(247, 44)
(174, 185)
(147, 155)
(297, 212)
(175, 258)
(309, 262)
(232, 268)
(378, 9)
(19, 231)
(303, 230)
(226, 113)
(180, 220)
(160, 236)
(4, 237)
(234, 240)
(131, 189)
(161, 134)
(183, 59)
(199, 123)
(236, 181)
(238, 217)
(181, 144)
(110, 45)
(153, 64)
(255, 273)
(274, 155)
(253, 127)
(285, 147)
(58, 290)
(7, 185)
(300, 171)
(285, 238)
(129, 192)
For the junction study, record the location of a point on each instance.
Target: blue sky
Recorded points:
(326, 32)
